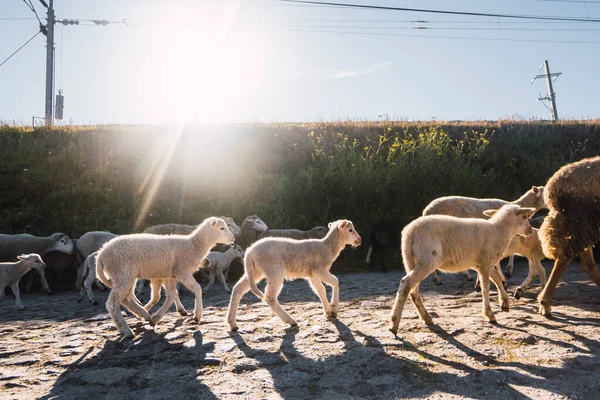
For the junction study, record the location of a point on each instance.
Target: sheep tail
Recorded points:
(100, 273)
(250, 272)
(408, 258)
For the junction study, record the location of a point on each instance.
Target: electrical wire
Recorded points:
(16, 51)
(432, 11)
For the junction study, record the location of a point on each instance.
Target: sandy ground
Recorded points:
(57, 348)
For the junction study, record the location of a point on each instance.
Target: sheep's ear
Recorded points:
(22, 257)
(489, 213)
(537, 190)
(529, 211)
(213, 221)
(343, 224)
(330, 225)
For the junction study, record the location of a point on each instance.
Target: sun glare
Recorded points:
(204, 67)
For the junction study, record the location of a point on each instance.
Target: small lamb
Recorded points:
(277, 259)
(220, 262)
(168, 258)
(10, 273)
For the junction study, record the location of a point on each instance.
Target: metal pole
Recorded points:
(49, 64)
(551, 91)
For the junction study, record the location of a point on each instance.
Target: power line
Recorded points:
(432, 11)
(16, 51)
(435, 28)
(439, 36)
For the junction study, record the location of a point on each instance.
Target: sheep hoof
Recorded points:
(508, 274)
(469, 278)
(79, 301)
(437, 282)
(182, 312)
(332, 314)
(428, 321)
(154, 321)
(197, 320)
(518, 293)
(128, 335)
(20, 307)
(394, 331)
(478, 287)
(293, 324)
(505, 308)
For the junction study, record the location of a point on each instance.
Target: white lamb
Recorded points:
(220, 262)
(13, 245)
(470, 207)
(529, 247)
(277, 259)
(170, 258)
(454, 244)
(11, 272)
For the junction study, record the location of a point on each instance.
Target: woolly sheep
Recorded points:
(470, 207)
(572, 226)
(453, 244)
(318, 232)
(11, 272)
(169, 258)
(220, 262)
(277, 259)
(250, 229)
(86, 245)
(13, 245)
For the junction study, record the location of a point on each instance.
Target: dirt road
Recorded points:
(59, 349)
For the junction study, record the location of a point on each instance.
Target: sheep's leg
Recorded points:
(155, 286)
(369, 254)
(332, 281)
(467, 275)
(411, 280)
(415, 297)
(503, 299)
(194, 287)
(510, 266)
(239, 290)
(382, 260)
(170, 294)
(80, 276)
(541, 273)
(484, 276)
(100, 285)
(15, 289)
(44, 282)
(531, 274)
(435, 278)
(319, 289)
(545, 297)
(272, 291)
(211, 280)
(589, 265)
(87, 285)
(178, 305)
(117, 294)
(221, 279)
(226, 273)
(498, 271)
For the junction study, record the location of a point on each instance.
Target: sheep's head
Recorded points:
(348, 234)
(62, 243)
(538, 192)
(233, 227)
(224, 235)
(238, 251)
(34, 260)
(319, 232)
(257, 223)
(520, 214)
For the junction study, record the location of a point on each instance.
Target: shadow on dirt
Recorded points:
(369, 369)
(144, 368)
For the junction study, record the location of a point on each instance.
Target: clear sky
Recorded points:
(265, 61)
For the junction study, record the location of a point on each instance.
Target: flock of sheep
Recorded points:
(453, 235)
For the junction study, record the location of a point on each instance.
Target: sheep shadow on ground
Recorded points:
(368, 368)
(150, 366)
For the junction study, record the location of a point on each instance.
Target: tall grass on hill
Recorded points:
(124, 178)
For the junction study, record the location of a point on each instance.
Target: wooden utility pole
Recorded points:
(49, 64)
(551, 95)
